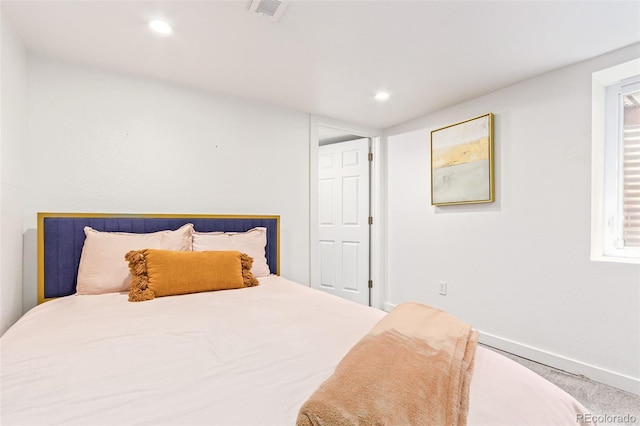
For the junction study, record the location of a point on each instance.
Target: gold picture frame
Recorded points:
(462, 165)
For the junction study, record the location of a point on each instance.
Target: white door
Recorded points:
(344, 219)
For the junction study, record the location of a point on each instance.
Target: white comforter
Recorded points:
(238, 357)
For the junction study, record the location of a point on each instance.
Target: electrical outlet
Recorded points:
(443, 288)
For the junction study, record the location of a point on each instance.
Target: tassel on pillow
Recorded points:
(247, 277)
(139, 289)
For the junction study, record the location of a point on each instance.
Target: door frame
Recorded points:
(377, 241)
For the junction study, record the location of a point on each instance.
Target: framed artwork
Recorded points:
(462, 162)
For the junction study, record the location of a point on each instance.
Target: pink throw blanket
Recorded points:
(413, 368)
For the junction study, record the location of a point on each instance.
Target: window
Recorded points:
(616, 164)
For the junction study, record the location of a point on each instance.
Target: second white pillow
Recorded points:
(251, 242)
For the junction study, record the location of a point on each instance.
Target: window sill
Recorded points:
(615, 259)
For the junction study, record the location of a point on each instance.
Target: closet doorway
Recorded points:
(341, 219)
(343, 215)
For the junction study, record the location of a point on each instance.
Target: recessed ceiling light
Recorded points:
(161, 27)
(381, 96)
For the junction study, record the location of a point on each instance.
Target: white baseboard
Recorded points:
(387, 307)
(591, 372)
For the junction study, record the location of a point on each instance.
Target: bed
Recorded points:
(248, 356)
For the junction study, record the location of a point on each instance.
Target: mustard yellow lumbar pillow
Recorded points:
(156, 273)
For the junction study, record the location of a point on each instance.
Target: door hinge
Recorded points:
(370, 220)
(371, 156)
(370, 283)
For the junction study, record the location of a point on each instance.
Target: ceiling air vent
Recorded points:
(271, 8)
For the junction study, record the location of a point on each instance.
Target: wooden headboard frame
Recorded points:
(61, 238)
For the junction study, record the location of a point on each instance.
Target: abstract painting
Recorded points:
(462, 162)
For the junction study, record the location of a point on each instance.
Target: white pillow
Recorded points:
(102, 266)
(251, 242)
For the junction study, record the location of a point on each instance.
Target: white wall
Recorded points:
(106, 142)
(12, 160)
(519, 269)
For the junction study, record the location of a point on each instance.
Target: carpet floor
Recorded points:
(599, 399)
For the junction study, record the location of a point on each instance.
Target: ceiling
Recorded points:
(330, 57)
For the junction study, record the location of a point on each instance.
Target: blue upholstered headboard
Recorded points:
(61, 237)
